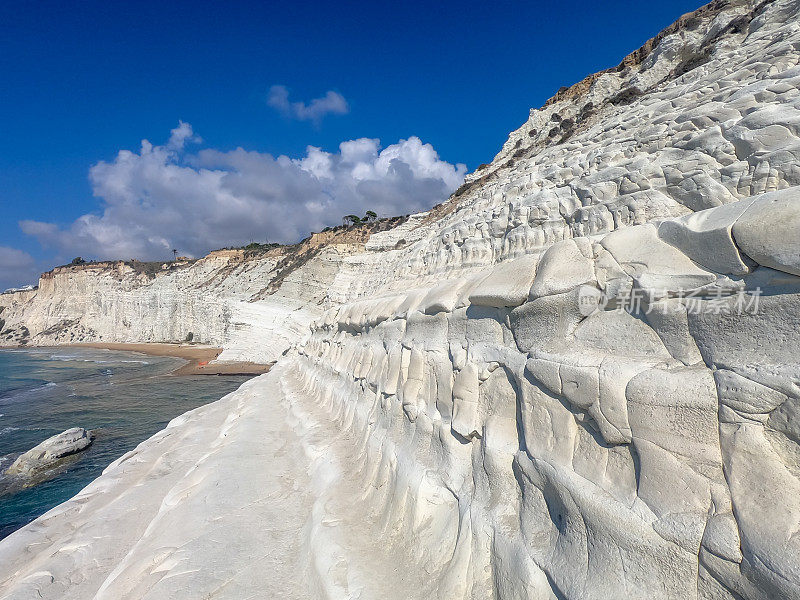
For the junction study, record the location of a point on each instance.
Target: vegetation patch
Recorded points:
(59, 327)
(625, 96)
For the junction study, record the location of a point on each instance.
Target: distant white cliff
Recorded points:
(579, 378)
(253, 303)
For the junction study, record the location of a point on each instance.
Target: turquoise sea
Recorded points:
(123, 397)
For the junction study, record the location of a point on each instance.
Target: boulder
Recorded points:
(46, 455)
(652, 262)
(507, 284)
(565, 266)
(769, 231)
(705, 237)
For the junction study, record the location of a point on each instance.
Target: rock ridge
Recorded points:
(577, 379)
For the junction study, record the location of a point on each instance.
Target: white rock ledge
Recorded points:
(579, 379)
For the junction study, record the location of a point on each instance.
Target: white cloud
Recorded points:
(17, 268)
(331, 103)
(166, 197)
(180, 135)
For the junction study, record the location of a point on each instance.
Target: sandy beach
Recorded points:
(198, 358)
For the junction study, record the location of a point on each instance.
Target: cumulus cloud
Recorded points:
(17, 268)
(332, 103)
(182, 134)
(165, 197)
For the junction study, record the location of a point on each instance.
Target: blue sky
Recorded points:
(440, 85)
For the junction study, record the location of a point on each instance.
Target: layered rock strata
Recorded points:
(611, 419)
(253, 304)
(578, 378)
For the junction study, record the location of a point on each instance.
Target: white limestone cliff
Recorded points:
(579, 378)
(253, 304)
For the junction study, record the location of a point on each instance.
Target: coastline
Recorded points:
(198, 357)
(122, 397)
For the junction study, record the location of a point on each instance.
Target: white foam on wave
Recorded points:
(25, 393)
(78, 358)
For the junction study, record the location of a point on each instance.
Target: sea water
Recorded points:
(123, 397)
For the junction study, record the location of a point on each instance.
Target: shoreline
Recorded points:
(198, 357)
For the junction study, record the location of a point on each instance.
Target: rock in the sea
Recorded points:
(47, 455)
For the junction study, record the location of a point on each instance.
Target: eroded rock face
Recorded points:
(254, 307)
(578, 379)
(768, 230)
(640, 449)
(609, 451)
(32, 465)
